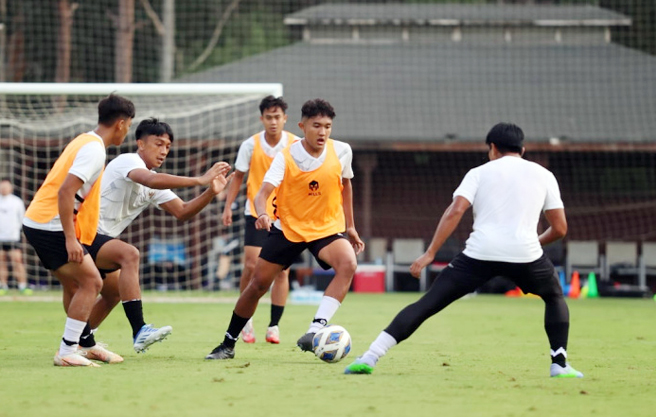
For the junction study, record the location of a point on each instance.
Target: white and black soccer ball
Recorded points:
(332, 343)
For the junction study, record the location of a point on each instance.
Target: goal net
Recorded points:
(209, 122)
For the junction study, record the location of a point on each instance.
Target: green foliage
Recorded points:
(483, 356)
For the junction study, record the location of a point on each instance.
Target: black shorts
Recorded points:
(252, 236)
(49, 246)
(538, 277)
(278, 250)
(9, 246)
(94, 248)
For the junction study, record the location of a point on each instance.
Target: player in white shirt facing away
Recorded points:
(255, 157)
(508, 195)
(12, 210)
(129, 186)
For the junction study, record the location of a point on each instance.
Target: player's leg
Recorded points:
(4, 273)
(16, 256)
(276, 255)
(103, 306)
(462, 277)
(279, 293)
(251, 254)
(111, 255)
(83, 281)
(540, 278)
(265, 272)
(337, 252)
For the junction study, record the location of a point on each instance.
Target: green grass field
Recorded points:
(482, 356)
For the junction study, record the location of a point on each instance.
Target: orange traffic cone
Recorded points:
(575, 285)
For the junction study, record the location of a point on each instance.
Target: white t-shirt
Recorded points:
(87, 166)
(307, 162)
(121, 199)
(507, 196)
(243, 162)
(12, 210)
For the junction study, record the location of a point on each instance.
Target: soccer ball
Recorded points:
(332, 343)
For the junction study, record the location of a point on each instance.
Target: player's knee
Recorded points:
(130, 256)
(249, 265)
(346, 267)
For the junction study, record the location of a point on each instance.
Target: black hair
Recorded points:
(3, 179)
(152, 126)
(270, 102)
(114, 107)
(317, 107)
(507, 137)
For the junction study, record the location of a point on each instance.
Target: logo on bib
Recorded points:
(314, 188)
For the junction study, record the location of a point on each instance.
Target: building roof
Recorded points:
(449, 93)
(455, 14)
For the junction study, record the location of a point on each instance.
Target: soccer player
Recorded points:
(255, 156)
(130, 185)
(315, 211)
(507, 195)
(12, 210)
(63, 216)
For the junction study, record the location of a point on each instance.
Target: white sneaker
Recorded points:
(273, 335)
(248, 333)
(149, 335)
(99, 352)
(558, 371)
(74, 359)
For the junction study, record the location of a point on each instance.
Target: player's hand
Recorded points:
(219, 183)
(354, 238)
(75, 251)
(227, 215)
(420, 263)
(263, 223)
(220, 168)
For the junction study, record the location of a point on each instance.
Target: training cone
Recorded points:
(593, 291)
(575, 286)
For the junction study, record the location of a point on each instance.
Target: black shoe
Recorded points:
(305, 342)
(221, 352)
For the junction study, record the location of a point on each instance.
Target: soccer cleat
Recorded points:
(148, 335)
(3, 291)
(221, 352)
(558, 371)
(248, 333)
(74, 359)
(359, 367)
(305, 342)
(26, 291)
(273, 335)
(99, 352)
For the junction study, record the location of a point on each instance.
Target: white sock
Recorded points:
(72, 333)
(22, 286)
(327, 309)
(378, 348)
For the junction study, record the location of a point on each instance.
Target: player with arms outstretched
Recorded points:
(131, 185)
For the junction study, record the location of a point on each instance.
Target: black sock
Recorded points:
(134, 313)
(234, 328)
(86, 339)
(276, 314)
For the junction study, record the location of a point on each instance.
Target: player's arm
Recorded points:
(448, 223)
(66, 203)
(233, 190)
(347, 203)
(161, 181)
(186, 210)
(263, 221)
(557, 226)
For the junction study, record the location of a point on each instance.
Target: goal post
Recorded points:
(209, 121)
